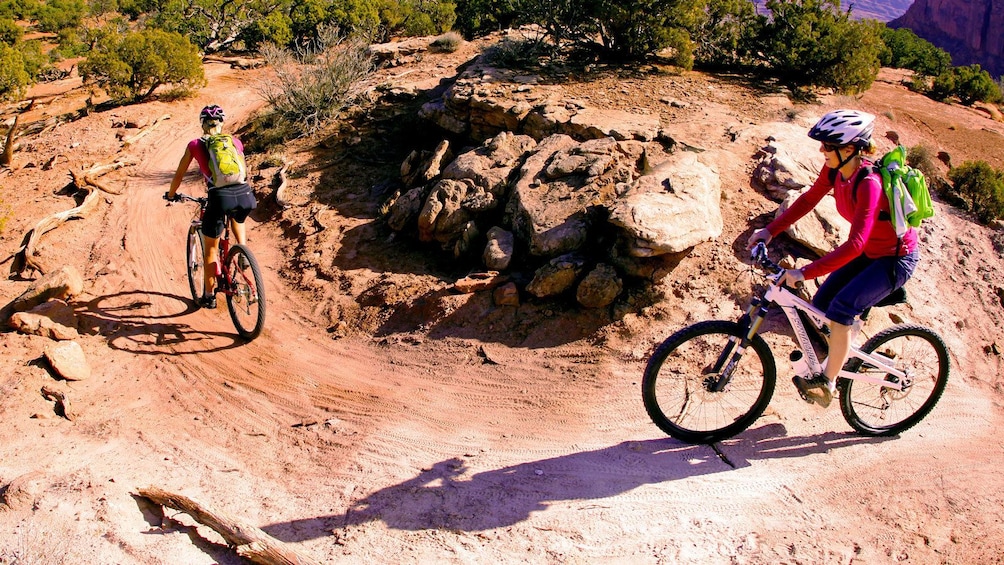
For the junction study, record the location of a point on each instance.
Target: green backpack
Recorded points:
(226, 162)
(906, 189)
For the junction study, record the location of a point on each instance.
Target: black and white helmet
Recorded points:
(844, 127)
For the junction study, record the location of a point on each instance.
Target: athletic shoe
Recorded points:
(208, 302)
(815, 389)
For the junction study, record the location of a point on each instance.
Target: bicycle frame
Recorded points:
(790, 305)
(222, 274)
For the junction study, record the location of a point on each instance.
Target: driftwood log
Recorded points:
(250, 542)
(89, 177)
(62, 403)
(25, 258)
(8, 147)
(235, 62)
(280, 191)
(130, 140)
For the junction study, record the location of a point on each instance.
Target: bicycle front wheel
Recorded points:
(682, 387)
(195, 263)
(876, 410)
(246, 292)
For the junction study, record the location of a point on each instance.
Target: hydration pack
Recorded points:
(226, 162)
(905, 188)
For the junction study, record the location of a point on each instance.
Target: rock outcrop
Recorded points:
(968, 29)
(561, 199)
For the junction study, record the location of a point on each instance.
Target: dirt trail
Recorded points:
(417, 449)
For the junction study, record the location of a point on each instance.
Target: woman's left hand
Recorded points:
(792, 277)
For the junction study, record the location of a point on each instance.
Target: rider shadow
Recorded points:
(126, 320)
(447, 496)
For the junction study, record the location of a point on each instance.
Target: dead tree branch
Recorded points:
(250, 542)
(25, 258)
(62, 404)
(130, 140)
(280, 191)
(8, 147)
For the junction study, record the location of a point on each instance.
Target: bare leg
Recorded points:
(240, 233)
(212, 253)
(840, 348)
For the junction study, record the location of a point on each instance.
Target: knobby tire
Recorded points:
(675, 386)
(875, 410)
(195, 262)
(246, 295)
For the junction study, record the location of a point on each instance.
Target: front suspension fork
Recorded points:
(728, 360)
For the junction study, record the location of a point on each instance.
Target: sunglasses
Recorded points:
(830, 148)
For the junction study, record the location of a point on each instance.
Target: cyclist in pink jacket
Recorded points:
(867, 267)
(238, 200)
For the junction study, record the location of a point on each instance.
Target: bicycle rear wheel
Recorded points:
(876, 410)
(680, 380)
(195, 263)
(246, 293)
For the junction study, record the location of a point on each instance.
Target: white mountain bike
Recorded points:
(713, 379)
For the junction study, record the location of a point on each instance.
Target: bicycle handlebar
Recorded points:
(759, 256)
(178, 196)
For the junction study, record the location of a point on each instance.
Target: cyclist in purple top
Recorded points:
(237, 200)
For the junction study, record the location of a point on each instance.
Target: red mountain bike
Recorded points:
(238, 276)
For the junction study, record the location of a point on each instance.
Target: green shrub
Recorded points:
(446, 43)
(14, 80)
(276, 28)
(314, 83)
(973, 84)
(635, 28)
(904, 50)
(517, 53)
(726, 33)
(969, 84)
(54, 15)
(480, 17)
(813, 42)
(10, 32)
(134, 66)
(980, 187)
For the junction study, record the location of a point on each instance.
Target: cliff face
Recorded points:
(971, 30)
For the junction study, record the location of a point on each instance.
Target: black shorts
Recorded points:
(236, 200)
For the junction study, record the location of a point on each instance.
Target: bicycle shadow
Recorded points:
(129, 323)
(447, 496)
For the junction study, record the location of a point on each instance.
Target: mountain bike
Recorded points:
(238, 276)
(713, 379)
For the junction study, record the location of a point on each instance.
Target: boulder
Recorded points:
(822, 229)
(404, 211)
(474, 183)
(67, 359)
(789, 161)
(600, 287)
(443, 216)
(54, 319)
(498, 253)
(560, 189)
(671, 209)
(557, 276)
(506, 295)
(422, 166)
(61, 284)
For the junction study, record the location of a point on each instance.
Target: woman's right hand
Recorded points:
(762, 234)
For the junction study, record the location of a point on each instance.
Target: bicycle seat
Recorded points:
(897, 296)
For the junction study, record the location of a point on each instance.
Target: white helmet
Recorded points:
(844, 127)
